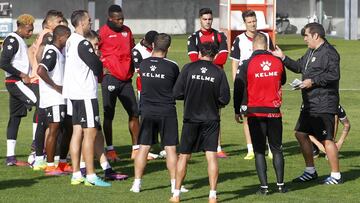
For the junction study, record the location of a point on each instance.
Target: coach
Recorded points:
(320, 92)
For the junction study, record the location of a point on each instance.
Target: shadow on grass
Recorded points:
(19, 183)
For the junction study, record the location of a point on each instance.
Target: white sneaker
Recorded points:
(182, 190)
(135, 188)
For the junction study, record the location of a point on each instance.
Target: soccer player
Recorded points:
(82, 69)
(241, 50)
(344, 120)
(208, 34)
(51, 72)
(320, 69)
(52, 19)
(116, 42)
(15, 62)
(204, 88)
(158, 111)
(257, 92)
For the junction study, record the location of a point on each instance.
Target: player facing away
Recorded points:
(14, 61)
(116, 42)
(204, 88)
(82, 69)
(241, 50)
(51, 73)
(257, 93)
(208, 34)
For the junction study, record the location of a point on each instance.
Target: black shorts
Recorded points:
(198, 137)
(113, 88)
(55, 114)
(35, 88)
(21, 99)
(262, 129)
(151, 126)
(319, 125)
(86, 113)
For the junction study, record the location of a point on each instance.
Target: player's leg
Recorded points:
(65, 139)
(35, 88)
(109, 89)
(40, 141)
(318, 144)
(274, 132)
(180, 175)
(250, 154)
(258, 130)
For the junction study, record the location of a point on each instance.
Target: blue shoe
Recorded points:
(305, 177)
(332, 181)
(97, 182)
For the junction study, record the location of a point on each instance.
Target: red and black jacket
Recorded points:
(257, 87)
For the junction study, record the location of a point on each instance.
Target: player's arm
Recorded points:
(240, 91)
(179, 87)
(87, 54)
(224, 97)
(193, 50)
(235, 57)
(292, 65)
(221, 57)
(47, 39)
(10, 47)
(137, 58)
(48, 63)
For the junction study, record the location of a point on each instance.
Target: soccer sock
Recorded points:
(10, 147)
(105, 165)
(212, 194)
(34, 130)
(108, 148)
(82, 164)
(137, 182)
(176, 193)
(264, 186)
(172, 182)
(77, 174)
(135, 147)
(91, 178)
(280, 184)
(336, 175)
(50, 164)
(250, 148)
(310, 170)
(219, 148)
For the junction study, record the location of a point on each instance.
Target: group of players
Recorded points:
(61, 82)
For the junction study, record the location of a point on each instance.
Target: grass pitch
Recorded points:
(237, 180)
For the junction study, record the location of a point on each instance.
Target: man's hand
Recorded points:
(306, 84)
(25, 78)
(239, 118)
(58, 88)
(278, 53)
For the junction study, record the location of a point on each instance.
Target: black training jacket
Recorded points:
(322, 66)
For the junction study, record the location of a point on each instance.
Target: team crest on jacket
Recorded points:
(265, 65)
(124, 34)
(203, 69)
(313, 59)
(111, 88)
(152, 68)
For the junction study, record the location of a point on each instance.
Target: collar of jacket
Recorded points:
(257, 52)
(113, 27)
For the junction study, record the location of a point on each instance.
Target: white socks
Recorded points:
(212, 194)
(136, 185)
(310, 170)
(108, 148)
(77, 175)
(10, 147)
(219, 148)
(336, 175)
(82, 164)
(250, 148)
(176, 193)
(105, 165)
(91, 178)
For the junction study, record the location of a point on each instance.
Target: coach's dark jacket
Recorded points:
(322, 66)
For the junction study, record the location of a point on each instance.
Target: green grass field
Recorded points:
(237, 180)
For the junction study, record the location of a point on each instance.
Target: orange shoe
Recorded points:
(53, 171)
(212, 200)
(174, 199)
(112, 156)
(65, 167)
(221, 154)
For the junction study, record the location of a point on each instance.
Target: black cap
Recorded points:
(150, 36)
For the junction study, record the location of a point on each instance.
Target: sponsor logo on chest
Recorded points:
(266, 65)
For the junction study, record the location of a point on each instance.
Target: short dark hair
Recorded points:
(150, 36)
(208, 49)
(162, 42)
(114, 9)
(92, 35)
(248, 13)
(260, 38)
(50, 14)
(204, 11)
(61, 30)
(77, 16)
(314, 28)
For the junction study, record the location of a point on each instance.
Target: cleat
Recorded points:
(212, 200)
(97, 182)
(77, 181)
(12, 161)
(249, 156)
(174, 199)
(332, 181)
(262, 191)
(39, 165)
(53, 171)
(282, 189)
(65, 167)
(135, 189)
(112, 175)
(305, 177)
(152, 156)
(111, 155)
(221, 155)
